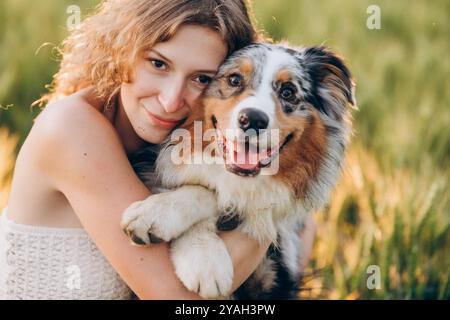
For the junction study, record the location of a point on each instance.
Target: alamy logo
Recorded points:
(74, 19)
(374, 278)
(373, 22)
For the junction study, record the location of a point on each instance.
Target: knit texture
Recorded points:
(54, 263)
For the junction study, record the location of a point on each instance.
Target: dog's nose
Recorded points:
(251, 118)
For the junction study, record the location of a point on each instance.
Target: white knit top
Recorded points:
(54, 263)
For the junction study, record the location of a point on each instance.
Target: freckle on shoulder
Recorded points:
(72, 125)
(72, 112)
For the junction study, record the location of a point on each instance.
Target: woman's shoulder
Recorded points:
(69, 128)
(64, 135)
(70, 119)
(74, 112)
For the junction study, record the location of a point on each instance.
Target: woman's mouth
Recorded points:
(166, 124)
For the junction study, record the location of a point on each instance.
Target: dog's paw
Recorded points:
(150, 221)
(204, 266)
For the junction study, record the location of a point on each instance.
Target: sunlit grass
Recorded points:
(391, 208)
(397, 220)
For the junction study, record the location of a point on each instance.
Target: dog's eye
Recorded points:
(287, 92)
(235, 80)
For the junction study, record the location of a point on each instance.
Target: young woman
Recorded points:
(129, 75)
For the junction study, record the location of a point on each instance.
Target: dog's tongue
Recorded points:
(245, 159)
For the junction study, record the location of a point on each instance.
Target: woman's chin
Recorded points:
(154, 136)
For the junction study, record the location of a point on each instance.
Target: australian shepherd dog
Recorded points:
(261, 152)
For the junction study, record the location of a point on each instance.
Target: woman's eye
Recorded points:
(235, 80)
(158, 64)
(202, 79)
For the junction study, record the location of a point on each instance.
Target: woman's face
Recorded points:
(169, 78)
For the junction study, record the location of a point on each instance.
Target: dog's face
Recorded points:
(272, 101)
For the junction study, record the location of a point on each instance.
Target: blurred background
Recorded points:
(391, 208)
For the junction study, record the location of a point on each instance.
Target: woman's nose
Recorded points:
(171, 95)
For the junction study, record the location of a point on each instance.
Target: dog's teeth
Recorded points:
(265, 161)
(254, 140)
(264, 153)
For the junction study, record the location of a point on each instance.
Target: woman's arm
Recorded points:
(245, 252)
(85, 160)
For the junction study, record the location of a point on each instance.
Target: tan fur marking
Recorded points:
(283, 75)
(246, 67)
(300, 160)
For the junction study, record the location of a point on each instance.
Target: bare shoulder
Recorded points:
(72, 125)
(71, 137)
(81, 156)
(70, 118)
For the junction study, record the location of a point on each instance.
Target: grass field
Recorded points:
(391, 208)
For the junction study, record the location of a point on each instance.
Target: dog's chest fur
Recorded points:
(278, 276)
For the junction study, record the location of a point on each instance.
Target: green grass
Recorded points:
(392, 206)
(26, 64)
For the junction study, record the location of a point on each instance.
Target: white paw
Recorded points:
(203, 266)
(151, 221)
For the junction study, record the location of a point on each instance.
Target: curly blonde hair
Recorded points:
(101, 52)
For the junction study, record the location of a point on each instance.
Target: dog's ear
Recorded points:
(332, 81)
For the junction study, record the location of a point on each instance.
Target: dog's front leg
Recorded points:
(202, 262)
(164, 216)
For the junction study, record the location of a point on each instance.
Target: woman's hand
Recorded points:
(246, 254)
